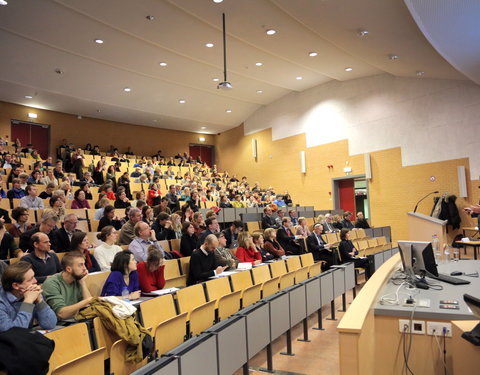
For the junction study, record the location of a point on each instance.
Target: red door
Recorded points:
(36, 134)
(205, 152)
(346, 191)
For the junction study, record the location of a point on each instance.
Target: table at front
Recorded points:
(474, 244)
(469, 229)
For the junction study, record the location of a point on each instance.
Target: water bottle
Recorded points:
(456, 254)
(447, 253)
(436, 249)
(125, 294)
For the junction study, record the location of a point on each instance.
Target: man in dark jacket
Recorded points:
(361, 221)
(231, 233)
(63, 236)
(320, 249)
(287, 240)
(268, 221)
(202, 262)
(47, 225)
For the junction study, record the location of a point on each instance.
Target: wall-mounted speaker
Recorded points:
(254, 148)
(368, 166)
(462, 182)
(303, 164)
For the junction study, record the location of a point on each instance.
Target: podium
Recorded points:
(422, 227)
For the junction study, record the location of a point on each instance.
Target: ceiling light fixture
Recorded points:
(203, 127)
(348, 69)
(209, 45)
(228, 111)
(28, 97)
(217, 1)
(258, 64)
(313, 54)
(182, 101)
(393, 57)
(216, 79)
(299, 78)
(3, 2)
(150, 18)
(127, 89)
(362, 33)
(271, 32)
(224, 85)
(32, 115)
(420, 73)
(259, 92)
(99, 41)
(162, 63)
(201, 139)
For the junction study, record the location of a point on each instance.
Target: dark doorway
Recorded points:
(350, 193)
(206, 153)
(36, 134)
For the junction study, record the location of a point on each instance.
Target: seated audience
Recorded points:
(224, 202)
(35, 178)
(361, 222)
(79, 200)
(4, 217)
(348, 253)
(127, 233)
(162, 227)
(198, 222)
(320, 249)
(153, 195)
(105, 252)
(212, 227)
(328, 226)
(50, 178)
(172, 199)
(31, 200)
(147, 215)
(123, 276)
(102, 203)
(80, 243)
(293, 216)
(279, 218)
(122, 199)
(144, 237)
(346, 223)
(231, 233)
(259, 243)
(47, 225)
(202, 262)
(8, 246)
(63, 236)
(20, 215)
(337, 222)
(151, 271)
(268, 221)
(271, 245)
(302, 228)
(189, 239)
(176, 220)
(194, 201)
(48, 191)
(287, 239)
(44, 263)
(223, 255)
(246, 251)
(66, 292)
(17, 191)
(110, 219)
(21, 300)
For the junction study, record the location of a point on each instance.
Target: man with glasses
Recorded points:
(63, 236)
(47, 225)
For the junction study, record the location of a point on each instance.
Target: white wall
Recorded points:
(431, 120)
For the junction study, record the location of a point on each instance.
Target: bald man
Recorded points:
(202, 262)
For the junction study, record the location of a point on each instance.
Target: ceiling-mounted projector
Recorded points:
(224, 85)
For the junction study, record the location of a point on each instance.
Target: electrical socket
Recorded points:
(438, 328)
(418, 326)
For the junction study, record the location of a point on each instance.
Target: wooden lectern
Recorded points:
(422, 227)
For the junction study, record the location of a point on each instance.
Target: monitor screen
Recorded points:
(419, 256)
(405, 249)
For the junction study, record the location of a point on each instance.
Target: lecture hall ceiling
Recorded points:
(40, 39)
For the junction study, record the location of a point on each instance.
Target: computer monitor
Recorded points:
(423, 259)
(405, 249)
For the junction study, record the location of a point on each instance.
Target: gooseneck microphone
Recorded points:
(433, 192)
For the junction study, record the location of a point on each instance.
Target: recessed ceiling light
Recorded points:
(209, 45)
(3, 2)
(228, 111)
(420, 73)
(203, 127)
(182, 101)
(32, 115)
(362, 33)
(201, 139)
(348, 69)
(216, 79)
(298, 78)
(217, 1)
(259, 92)
(99, 41)
(313, 54)
(258, 64)
(393, 57)
(155, 120)
(28, 97)
(162, 63)
(271, 32)
(150, 18)
(127, 89)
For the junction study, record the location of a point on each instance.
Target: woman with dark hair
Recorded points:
(187, 213)
(147, 215)
(151, 272)
(79, 242)
(258, 242)
(111, 175)
(79, 200)
(98, 173)
(189, 239)
(194, 201)
(122, 200)
(105, 252)
(109, 219)
(348, 253)
(108, 189)
(86, 189)
(124, 181)
(123, 276)
(20, 215)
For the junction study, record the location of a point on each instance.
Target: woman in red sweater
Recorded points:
(153, 196)
(246, 251)
(150, 273)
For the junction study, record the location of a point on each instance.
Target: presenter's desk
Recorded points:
(371, 340)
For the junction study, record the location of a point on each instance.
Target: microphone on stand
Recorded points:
(433, 192)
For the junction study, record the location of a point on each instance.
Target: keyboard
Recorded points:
(450, 279)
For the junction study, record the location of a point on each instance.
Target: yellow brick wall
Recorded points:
(393, 189)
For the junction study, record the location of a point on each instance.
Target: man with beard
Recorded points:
(66, 292)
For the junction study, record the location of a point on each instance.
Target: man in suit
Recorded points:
(268, 221)
(63, 236)
(231, 233)
(346, 223)
(203, 264)
(212, 228)
(319, 248)
(287, 239)
(328, 225)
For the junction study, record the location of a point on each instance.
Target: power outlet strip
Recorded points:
(418, 326)
(436, 328)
